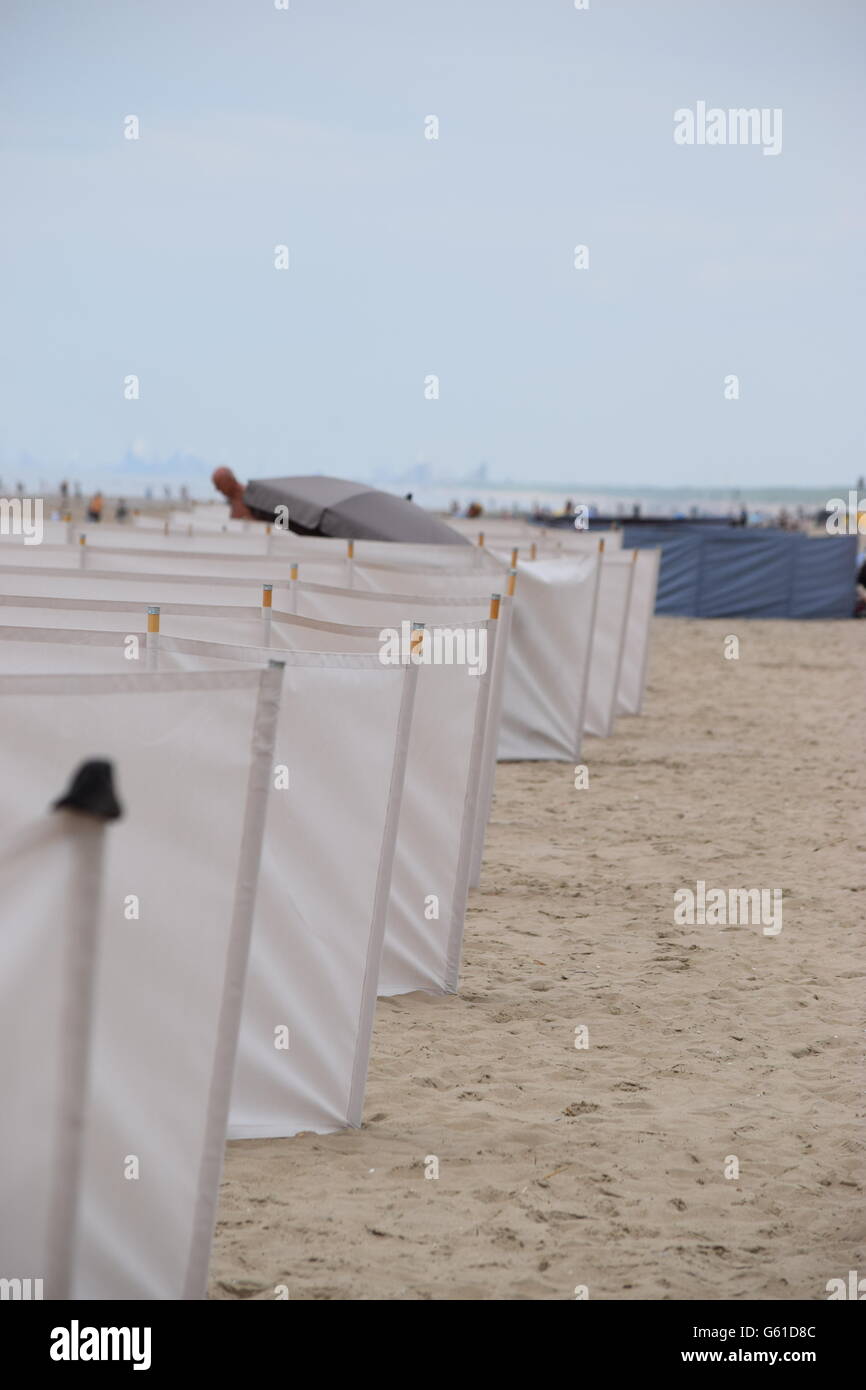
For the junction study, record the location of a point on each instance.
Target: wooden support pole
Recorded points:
(267, 607)
(152, 637)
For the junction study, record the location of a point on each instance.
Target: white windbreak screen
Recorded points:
(136, 588)
(502, 532)
(437, 826)
(446, 770)
(635, 656)
(234, 625)
(385, 609)
(179, 874)
(548, 659)
(206, 566)
(323, 895)
(611, 613)
(548, 647)
(50, 883)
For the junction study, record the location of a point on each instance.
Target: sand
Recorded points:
(604, 1167)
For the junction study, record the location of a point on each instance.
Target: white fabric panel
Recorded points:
(152, 551)
(134, 587)
(50, 891)
(208, 566)
(326, 878)
(501, 638)
(423, 940)
(548, 659)
(548, 656)
(387, 609)
(581, 543)
(432, 579)
(168, 986)
(323, 896)
(328, 603)
(614, 589)
(324, 886)
(503, 532)
(635, 655)
(206, 622)
(438, 826)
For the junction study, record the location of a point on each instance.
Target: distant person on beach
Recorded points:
(94, 507)
(121, 513)
(860, 586)
(474, 510)
(225, 482)
(64, 490)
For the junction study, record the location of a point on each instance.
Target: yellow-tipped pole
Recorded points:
(495, 600)
(416, 645)
(152, 637)
(350, 550)
(480, 537)
(82, 550)
(514, 558)
(601, 545)
(267, 605)
(533, 551)
(512, 580)
(293, 589)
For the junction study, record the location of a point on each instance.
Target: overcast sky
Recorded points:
(411, 257)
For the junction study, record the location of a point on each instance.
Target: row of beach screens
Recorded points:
(304, 734)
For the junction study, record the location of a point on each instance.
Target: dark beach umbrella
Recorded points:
(336, 507)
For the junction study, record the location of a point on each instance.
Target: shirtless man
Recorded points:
(225, 482)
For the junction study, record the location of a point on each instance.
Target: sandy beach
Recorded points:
(604, 1166)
